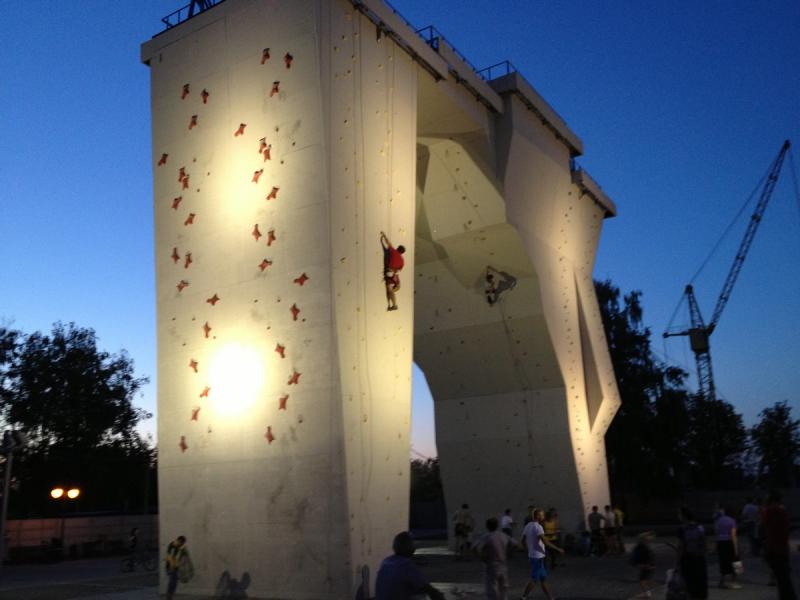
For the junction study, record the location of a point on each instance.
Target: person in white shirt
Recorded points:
(507, 522)
(534, 539)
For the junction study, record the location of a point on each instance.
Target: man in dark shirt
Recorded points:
(775, 525)
(399, 578)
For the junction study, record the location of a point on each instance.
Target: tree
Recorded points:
(776, 440)
(75, 404)
(717, 443)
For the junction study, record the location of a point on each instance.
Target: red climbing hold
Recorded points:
(301, 280)
(193, 122)
(175, 256)
(264, 55)
(282, 402)
(206, 329)
(193, 365)
(204, 393)
(281, 350)
(181, 174)
(269, 436)
(204, 94)
(183, 445)
(271, 237)
(257, 175)
(267, 153)
(273, 195)
(188, 260)
(190, 219)
(185, 91)
(163, 159)
(294, 379)
(176, 202)
(287, 60)
(186, 182)
(182, 284)
(213, 300)
(195, 413)
(264, 264)
(256, 233)
(240, 131)
(275, 88)
(295, 312)
(262, 143)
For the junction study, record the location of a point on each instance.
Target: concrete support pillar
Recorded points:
(283, 143)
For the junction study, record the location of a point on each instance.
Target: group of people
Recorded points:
(605, 531)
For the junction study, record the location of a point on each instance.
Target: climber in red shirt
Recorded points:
(392, 265)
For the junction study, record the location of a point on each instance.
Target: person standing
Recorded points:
(609, 533)
(551, 534)
(775, 525)
(536, 543)
(492, 548)
(727, 549)
(178, 565)
(749, 524)
(595, 520)
(644, 559)
(399, 578)
(463, 526)
(507, 523)
(692, 555)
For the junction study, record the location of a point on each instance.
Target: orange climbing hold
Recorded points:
(183, 445)
(301, 280)
(267, 152)
(264, 264)
(271, 237)
(193, 122)
(273, 195)
(176, 202)
(205, 392)
(185, 91)
(190, 219)
(282, 402)
(264, 55)
(193, 365)
(175, 256)
(281, 350)
(181, 174)
(195, 413)
(206, 329)
(269, 436)
(188, 260)
(256, 233)
(295, 312)
(294, 379)
(213, 300)
(163, 159)
(257, 175)
(287, 60)
(182, 284)
(240, 131)
(186, 182)
(276, 88)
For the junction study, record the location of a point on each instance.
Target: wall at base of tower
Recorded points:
(283, 144)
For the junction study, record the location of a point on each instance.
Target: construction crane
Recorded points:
(699, 333)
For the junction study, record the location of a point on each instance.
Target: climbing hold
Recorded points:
(185, 91)
(204, 393)
(275, 88)
(176, 202)
(269, 436)
(271, 237)
(183, 445)
(256, 233)
(190, 219)
(204, 94)
(281, 350)
(163, 159)
(295, 312)
(193, 122)
(301, 280)
(287, 60)
(257, 175)
(267, 153)
(282, 402)
(213, 300)
(182, 284)
(264, 55)
(181, 174)
(188, 260)
(273, 195)
(264, 264)
(175, 256)
(294, 379)
(186, 182)
(206, 329)
(240, 131)
(195, 413)
(193, 365)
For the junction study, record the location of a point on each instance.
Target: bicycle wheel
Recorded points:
(150, 563)
(126, 565)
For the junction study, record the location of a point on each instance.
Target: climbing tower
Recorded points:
(287, 135)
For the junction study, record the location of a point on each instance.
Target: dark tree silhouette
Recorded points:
(776, 441)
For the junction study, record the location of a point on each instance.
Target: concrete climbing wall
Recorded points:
(283, 143)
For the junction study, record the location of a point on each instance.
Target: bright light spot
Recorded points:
(236, 376)
(73, 493)
(56, 493)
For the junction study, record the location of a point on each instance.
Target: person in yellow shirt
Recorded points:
(178, 565)
(551, 534)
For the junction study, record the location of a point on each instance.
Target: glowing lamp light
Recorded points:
(56, 493)
(73, 493)
(235, 376)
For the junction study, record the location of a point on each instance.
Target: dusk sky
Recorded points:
(681, 107)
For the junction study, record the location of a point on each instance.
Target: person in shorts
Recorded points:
(535, 541)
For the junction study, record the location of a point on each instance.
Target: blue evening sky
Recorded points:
(681, 107)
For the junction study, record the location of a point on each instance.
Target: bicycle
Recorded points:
(146, 560)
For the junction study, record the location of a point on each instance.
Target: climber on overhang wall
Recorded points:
(392, 265)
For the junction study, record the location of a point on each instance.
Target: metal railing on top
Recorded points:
(498, 70)
(195, 7)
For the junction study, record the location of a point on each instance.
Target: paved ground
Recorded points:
(606, 578)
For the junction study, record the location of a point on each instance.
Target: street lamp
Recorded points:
(12, 440)
(59, 493)
(73, 493)
(56, 493)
